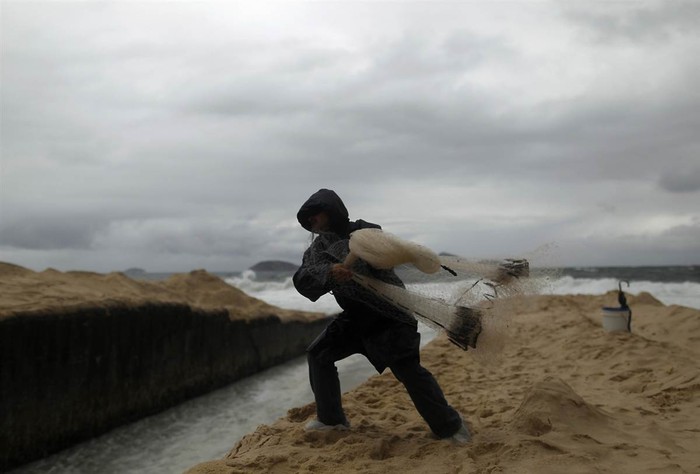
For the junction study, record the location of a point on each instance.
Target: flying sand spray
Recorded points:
(462, 324)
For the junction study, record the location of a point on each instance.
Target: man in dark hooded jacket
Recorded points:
(386, 335)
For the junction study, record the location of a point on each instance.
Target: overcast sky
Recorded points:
(182, 135)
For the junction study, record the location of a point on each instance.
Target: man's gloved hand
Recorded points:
(340, 273)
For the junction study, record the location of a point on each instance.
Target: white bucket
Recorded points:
(616, 319)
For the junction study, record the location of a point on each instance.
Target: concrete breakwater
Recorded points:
(71, 373)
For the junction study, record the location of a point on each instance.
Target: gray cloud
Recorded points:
(675, 243)
(49, 233)
(681, 180)
(637, 22)
(188, 136)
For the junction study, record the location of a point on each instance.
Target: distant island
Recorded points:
(135, 272)
(274, 266)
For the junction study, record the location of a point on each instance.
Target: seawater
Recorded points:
(678, 285)
(208, 427)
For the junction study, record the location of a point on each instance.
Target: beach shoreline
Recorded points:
(550, 391)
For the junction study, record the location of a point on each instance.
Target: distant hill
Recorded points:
(274, 266)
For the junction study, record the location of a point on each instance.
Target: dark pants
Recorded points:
(422, 387)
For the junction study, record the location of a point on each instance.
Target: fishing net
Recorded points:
(470, 300)
(383, 250)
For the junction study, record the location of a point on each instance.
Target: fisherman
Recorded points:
(368, 325)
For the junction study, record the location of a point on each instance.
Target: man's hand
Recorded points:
(340, 273)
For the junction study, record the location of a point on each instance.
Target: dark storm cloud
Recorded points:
(681, 180)
(627, 143)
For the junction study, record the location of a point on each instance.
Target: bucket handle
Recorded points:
(623, 303)
(621, 295)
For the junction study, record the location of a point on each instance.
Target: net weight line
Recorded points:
(461, 323)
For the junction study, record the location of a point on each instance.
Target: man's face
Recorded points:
(319, 222)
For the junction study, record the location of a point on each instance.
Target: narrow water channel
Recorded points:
(201, 429)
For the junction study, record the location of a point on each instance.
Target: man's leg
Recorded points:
(332, 345)
(427, 396)
(325, 384)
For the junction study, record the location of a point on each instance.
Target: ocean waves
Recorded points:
(281, 291)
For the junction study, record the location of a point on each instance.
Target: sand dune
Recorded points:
(564, 396)
(23, 290)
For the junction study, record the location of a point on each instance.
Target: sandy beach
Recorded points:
(560, 395)
(553, 392)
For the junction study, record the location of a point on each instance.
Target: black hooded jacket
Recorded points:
(312, 279)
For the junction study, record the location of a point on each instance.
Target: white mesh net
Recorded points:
(384, 250)
(468, 299)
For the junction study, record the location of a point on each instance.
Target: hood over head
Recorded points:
(325, 200)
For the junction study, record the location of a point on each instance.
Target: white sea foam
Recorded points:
(683, 294)
(283, 294)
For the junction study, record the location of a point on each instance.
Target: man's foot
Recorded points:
(315, 425)
(462, 436)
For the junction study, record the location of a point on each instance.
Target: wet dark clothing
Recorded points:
(368, 325)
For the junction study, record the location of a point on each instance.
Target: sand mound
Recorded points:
(9, 270)
(207, 290)
(565, 397)
(552, 402)
(23, 290)
(644, 298)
